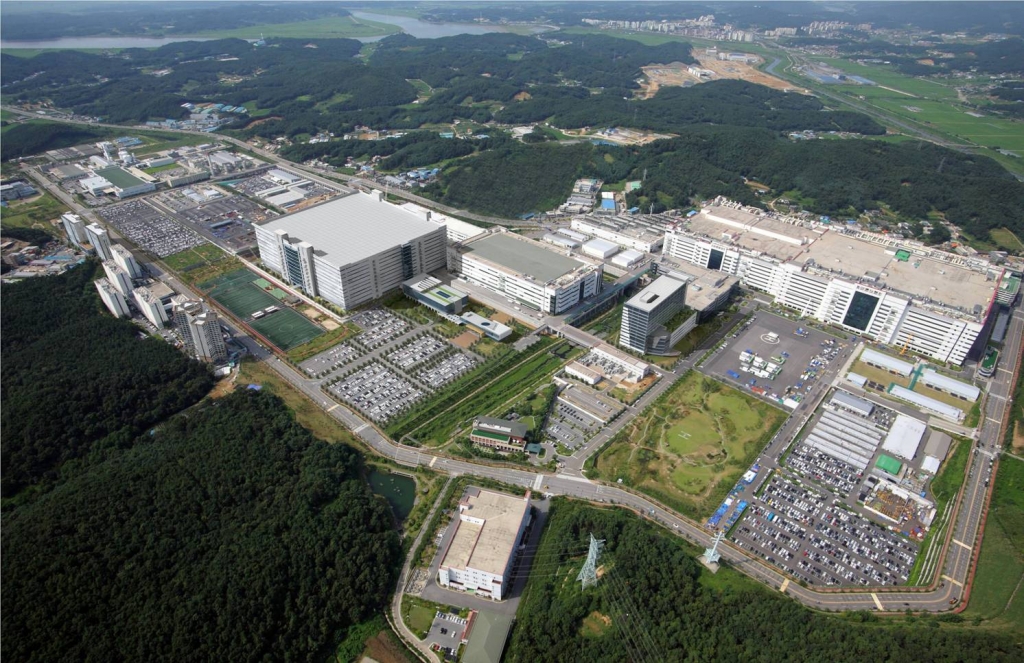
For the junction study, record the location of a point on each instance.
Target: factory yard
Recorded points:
(816, 540)
(150, 229)
(376, 391)
(226, 217)
(691, 445)
(677, 74)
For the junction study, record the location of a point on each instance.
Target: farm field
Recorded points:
(690, 447)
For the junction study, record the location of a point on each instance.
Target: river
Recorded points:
(423, 29)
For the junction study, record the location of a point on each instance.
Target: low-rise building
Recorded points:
(430, 292)
(481, 552)
(16, 190)
(499, 434)
(490, 328)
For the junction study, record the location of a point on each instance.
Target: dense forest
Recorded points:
(836, 177)
(28, 138)
(654, 601)
(77, 380)
(229, 534)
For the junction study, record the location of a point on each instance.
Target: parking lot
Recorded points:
(445, 370)
(227, 217)
(150, 229)
(379, 327)
(804, 354)
(417, 351)
(569, 426)
(330, 360)
(376, 391)
(807, 534)
(445, 635)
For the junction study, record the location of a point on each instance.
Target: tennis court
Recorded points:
(238, 292)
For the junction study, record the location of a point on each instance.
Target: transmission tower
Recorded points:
(711, 555)
(588, 574)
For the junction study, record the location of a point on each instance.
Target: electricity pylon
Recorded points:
(588, 574)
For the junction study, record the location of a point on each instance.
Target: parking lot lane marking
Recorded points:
(878, 603)
(432, 461)
(785, 585)
(961, 543)
(955, 582)
(331, 409)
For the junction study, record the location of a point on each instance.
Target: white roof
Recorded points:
(348, 229)
(485, 534)
(283, 175)
(627, 257)
(878, 359)
(927, 403)
(561, 240)
(949, 385)
(656, 293)
(602, 246)
(904, 437)
(930, 464)
(457, 226)
(285, 197)
(857, 379)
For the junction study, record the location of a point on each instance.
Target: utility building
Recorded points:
(481, 552)
(656, 318)
(352, 249)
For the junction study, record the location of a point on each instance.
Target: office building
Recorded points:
(499, 434)
(432, 293)
(150, 306)
(656, 318)
(112, 299)
(100, 240)
(74, 227)
(486, 326)
(126, 261)
(199, 328)
(352, 249)
(481, 552)
(118, 278)
(527, 272)
(897, 292)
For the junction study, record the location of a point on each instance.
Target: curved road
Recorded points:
(956, 565)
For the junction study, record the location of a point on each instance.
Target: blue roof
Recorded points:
(607, 203)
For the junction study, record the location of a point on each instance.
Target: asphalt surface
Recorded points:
(956, 565)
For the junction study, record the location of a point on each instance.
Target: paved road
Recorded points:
(957, 561)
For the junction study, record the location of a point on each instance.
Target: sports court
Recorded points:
(240, 293)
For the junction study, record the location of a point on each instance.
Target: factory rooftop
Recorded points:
(119, 177)
(522, 256)
(486, 545)
(351, 228)
(905, 267)
(656, 293)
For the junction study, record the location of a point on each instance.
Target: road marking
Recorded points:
(961, 543)
(878, 603)
(536, 484)
(955, 582)
(356, 430)
(995, 421)
(785, 585)
(1002, 398)
(331, 409)
(1005, 370)
(432, 461)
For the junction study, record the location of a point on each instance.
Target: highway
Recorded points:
(963, 536)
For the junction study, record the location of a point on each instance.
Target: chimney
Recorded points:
(428, 215)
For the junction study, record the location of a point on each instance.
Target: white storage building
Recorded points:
(927, 403)
(562, 241)
(904, 437)
(600, 248)
(627, 258)
(885, 362)
(853, 403)
(967, 392)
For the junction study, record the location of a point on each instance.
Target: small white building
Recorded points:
(600, 248)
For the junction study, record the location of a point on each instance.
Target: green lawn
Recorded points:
(35, 212)
(691, 446)
(201, 263)
(996, 598)
(159, 169)
(331, 27)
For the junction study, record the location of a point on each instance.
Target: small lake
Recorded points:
(98, 42)
(423, 29)
(398, 489)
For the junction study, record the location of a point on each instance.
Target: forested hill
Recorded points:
(654, 601)
(76, 379)
(835, 177)
(231, 534)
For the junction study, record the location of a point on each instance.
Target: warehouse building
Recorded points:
(627, 258)
(601, 249)
(927, 403)
(899, 293)
(886, 363)
(622, 231)
(124, 184)
(481, 552)
(455, 229)
(904, 437)
(854, 404)
(656, 318)
(939, 382)
(527, 271)
(351, 250)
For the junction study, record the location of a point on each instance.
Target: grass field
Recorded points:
(330, 27)
(997, 599)
(1005, 237)
(236, 292)
(202, 263)
(690, 447)
(944, 488)
(322, 342)
(158, 169)
(35, 212)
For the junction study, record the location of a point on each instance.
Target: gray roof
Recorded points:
(853, 402)
(517, 429)
(353, 227)
(523, 257)
(656, 293)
